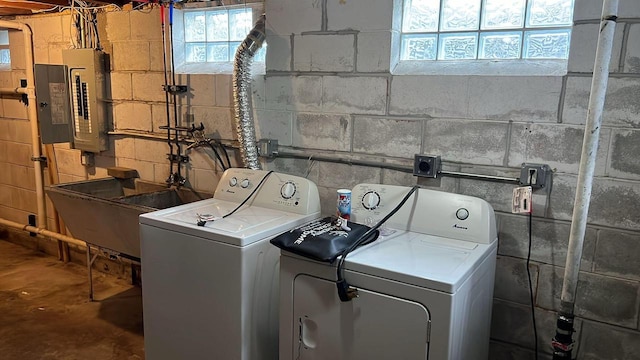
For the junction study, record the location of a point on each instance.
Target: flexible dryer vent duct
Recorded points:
(242, 94)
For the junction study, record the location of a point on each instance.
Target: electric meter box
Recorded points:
(54, 107)
(87, 90)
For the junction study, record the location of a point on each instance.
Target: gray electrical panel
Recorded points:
(87, 82)
(54, 108)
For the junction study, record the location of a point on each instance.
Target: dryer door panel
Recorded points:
(372, 326)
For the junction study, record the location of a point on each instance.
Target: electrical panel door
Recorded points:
(87, 81)
(54, 108)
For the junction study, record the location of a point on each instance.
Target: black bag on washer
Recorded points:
(322, 239)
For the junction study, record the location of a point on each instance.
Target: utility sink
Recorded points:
(104, 212)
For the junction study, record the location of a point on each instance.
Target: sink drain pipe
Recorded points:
(245, 126)
(43, 232)
(562, 342)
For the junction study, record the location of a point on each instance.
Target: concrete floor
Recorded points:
(45, 312)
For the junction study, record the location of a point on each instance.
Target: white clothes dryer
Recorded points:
(211, 292)
(425, 287)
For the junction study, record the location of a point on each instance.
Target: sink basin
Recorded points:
(104, 212)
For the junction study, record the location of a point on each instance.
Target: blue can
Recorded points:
(344, 203)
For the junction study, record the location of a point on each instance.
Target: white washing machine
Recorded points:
(425, 287)
(211, 292)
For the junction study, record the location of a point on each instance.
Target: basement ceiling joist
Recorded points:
(26, 7)
(6, 11)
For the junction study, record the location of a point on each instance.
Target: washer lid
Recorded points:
(422, 260)
(247, 225)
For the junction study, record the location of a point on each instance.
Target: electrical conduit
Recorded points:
(30, 91)
(170, 179)
(563, 342)
(180, 180)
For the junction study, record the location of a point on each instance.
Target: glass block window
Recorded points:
(486, 29)
(213, 36)
(205, 38)
(5, 55)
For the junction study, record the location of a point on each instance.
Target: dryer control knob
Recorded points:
(371, 200)
(233, 181)
(288, 190)
(244, 183)
(462, 214)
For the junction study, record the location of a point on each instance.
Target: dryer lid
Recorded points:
(422, 260)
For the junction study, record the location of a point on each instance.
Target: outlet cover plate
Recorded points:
(541, 177)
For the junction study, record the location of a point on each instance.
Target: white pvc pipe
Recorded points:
(13, 91)
(44, 232)
(589, 152)
(30, 90)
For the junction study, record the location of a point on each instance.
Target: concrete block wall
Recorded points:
(329, 90)
(329, 77)
(17, 176)
(133, 42)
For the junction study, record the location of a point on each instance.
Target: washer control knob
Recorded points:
(288, 190)
(462, 214)
(371, 200)
(244, 183)
(233, 181)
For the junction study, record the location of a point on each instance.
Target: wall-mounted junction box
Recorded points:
(535, 175)
(268, 147)
(54, 107)
(426, 165)
(87, 83)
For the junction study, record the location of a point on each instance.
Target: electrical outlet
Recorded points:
(268, 147)
(31, 218)
(426, 165)
(535, 175)
(88, 159)
(521, 200)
